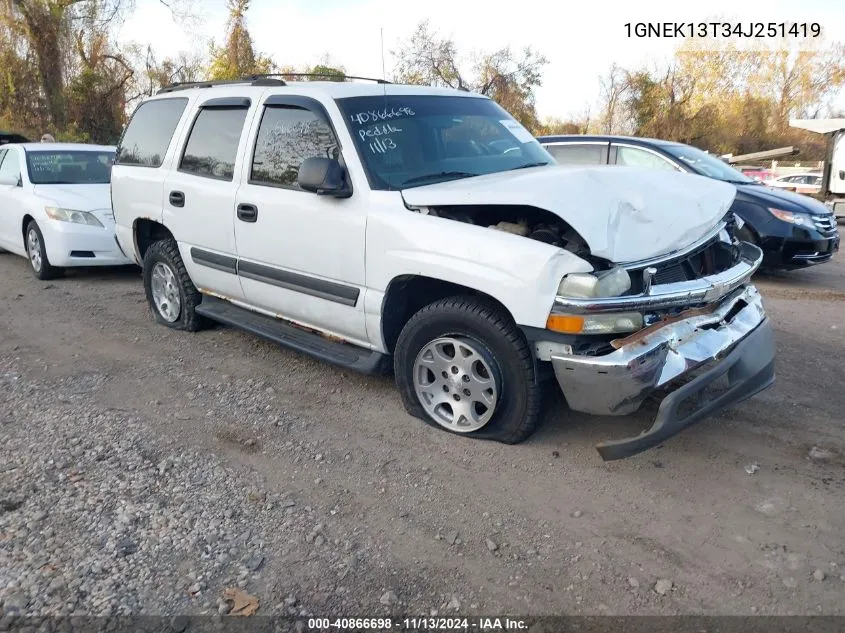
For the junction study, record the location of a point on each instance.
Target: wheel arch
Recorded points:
(27, 218)
(407, 294)
(146, 232)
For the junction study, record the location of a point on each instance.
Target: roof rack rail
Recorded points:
(264, 79)
(326, 75)
(256, 80)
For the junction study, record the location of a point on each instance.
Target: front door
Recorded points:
(301, 255)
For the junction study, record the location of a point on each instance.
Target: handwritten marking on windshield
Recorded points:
(370, 116)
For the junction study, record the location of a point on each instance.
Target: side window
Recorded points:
(148, 134)
(286, 137)
(213, 143)
(636, 157)
(10, 168)
(579, 154)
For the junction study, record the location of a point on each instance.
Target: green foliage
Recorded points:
(237, 57)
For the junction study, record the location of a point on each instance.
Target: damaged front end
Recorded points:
(689, 323)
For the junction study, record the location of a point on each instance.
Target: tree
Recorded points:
(507, 77)
(237, 57)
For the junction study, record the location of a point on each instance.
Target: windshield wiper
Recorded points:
(440, 174)
(526, 166)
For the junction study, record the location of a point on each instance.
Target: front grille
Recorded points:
(710, 258)
(826, 224)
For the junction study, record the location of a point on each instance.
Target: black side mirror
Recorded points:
(323, 176)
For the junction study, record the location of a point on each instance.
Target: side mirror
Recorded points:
(11, 181)
(323, 176)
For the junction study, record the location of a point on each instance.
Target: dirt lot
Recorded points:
(148, 470)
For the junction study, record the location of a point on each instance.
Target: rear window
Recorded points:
(579, 154)
(149, 132)
(213, 143)
(69, 167)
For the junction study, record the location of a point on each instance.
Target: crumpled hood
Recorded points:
(625, 214)
(78, 197)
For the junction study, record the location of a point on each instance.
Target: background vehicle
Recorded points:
(832, 191)
(11, 137)
(425, 229)
(55, 207)
(794, 231)
(808, 183)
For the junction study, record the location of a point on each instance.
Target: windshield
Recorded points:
(412, 140)
(706, 164)
(69, 167)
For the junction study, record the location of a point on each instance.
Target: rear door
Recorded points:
(199, 194)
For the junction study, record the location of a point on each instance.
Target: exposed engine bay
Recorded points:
(531, 222)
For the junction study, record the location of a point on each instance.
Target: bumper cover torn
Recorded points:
(733, 342)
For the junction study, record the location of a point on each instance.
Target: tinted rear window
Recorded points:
(579, 154)
(148, 134)
(213, 143)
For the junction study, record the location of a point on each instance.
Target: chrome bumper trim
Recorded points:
(618, 382)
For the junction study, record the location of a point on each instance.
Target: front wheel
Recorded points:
(170, 292)
(37, 254)
(461, 364)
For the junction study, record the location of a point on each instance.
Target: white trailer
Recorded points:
(833, 179)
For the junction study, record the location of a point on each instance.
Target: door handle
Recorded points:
(177, 198)
(247, 212)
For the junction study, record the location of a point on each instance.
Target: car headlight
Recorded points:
(607, 283)
(72, 215)
(595, 323)
(799, 219)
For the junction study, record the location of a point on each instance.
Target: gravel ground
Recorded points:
(148, 471)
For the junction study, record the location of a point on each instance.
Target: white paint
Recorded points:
(60, 238)
(624, 213)
(371, 239)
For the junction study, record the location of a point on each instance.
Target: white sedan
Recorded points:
(800, 183)
(55, 206)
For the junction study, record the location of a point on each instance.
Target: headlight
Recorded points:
(595, 323)
(800, 219)
(71, 215)
(608, 283)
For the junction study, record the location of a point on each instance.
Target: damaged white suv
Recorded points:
(423, 230)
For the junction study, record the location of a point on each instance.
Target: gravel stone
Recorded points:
(491, 545)
(819, 575)
(389, 598)
(663, 586)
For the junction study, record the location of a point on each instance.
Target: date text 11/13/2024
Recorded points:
(418, 624)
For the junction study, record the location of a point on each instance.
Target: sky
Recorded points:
(580, 39)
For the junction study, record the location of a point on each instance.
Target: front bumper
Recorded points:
(69, 244)
(731, 340)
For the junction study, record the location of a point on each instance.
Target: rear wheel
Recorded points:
(170, 292)
(462, 365)
(37, 254)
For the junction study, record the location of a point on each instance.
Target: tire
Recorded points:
(497, 343)
(36, 252)
(161, 257)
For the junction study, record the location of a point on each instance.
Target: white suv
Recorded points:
(380, 226)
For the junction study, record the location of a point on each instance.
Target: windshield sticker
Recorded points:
(520, 133)
(374, 116)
